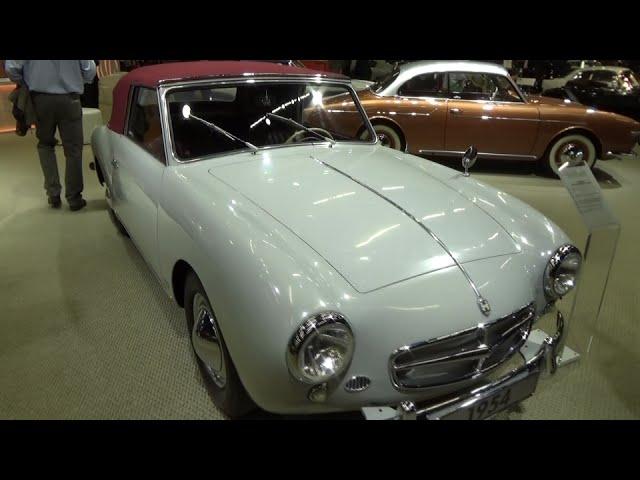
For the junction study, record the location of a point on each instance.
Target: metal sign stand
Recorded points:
(602, 239)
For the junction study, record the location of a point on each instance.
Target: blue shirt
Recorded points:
(52, 76)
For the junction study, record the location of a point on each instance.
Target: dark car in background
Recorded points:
(612, 89)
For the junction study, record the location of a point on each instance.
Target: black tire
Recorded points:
(117, 223)
(112, 215)
(552, 160)
(232, 398)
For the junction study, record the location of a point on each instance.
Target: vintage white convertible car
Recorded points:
(320, 271)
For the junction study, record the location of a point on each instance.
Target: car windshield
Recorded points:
(328, 109)
(385, 82)
(628, 80)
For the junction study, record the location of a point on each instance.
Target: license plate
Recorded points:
(487, 404)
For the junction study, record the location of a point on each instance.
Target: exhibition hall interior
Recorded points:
(326, 239)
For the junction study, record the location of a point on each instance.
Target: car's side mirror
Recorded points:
(469, 159)
(186, 111)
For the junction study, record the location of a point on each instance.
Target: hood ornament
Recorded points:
(485, 308)
(469, 159)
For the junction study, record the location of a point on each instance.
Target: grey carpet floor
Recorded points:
(87, 333)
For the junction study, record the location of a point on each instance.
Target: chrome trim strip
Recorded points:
(526, 319)
(492, 102)
(493, 117)
(482, 302)
(498, 156)
(445, 337)
(476, 353)
(249, 77)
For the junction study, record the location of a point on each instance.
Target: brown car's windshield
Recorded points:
(242, 109)
(628, 80)
(385, 82)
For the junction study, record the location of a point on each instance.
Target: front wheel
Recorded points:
(212, 355)
(566, 149)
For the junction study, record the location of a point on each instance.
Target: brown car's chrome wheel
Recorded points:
(387, 136)
(570, 148)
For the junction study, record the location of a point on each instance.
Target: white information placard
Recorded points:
(587, 195)
(602, 238)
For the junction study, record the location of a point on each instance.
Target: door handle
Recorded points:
(114, 162)
(455, 111)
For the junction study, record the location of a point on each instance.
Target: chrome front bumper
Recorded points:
(543, 361)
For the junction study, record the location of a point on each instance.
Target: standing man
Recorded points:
(56, 86)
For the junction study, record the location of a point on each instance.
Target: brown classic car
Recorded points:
(438, 109)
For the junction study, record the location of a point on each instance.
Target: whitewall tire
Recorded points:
(387, 136)
(567, 148)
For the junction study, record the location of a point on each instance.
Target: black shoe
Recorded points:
(74, 207)
(55, 202)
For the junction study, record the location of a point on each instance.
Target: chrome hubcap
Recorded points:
(572, 153)
(384, 140)
(206, 341)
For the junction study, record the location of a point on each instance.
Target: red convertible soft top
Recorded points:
(153, 75)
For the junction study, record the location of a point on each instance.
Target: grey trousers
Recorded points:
(63, 111)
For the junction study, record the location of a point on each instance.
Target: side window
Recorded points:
(144, 122)
(603, 76)
(425, 85)
(481, 86)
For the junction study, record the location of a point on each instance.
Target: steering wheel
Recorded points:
(495, 93)
(309, 137)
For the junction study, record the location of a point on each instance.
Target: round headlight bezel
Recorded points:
(308, 332)
(554, 271)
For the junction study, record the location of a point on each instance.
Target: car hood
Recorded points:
(368, 210)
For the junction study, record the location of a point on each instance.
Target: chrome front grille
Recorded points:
(462, 355)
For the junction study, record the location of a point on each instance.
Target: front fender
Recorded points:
(535, 234)
(262, 280)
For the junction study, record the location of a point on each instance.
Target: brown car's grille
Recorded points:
(462, 355)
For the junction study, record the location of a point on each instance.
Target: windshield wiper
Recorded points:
(186, 113)
(299, 125)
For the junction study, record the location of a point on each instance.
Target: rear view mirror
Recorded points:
(469, 159)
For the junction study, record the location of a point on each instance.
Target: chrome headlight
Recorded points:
(321, 348)
(561, 273)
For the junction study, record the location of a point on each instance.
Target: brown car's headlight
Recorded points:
(321, 348)
(562, 271)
